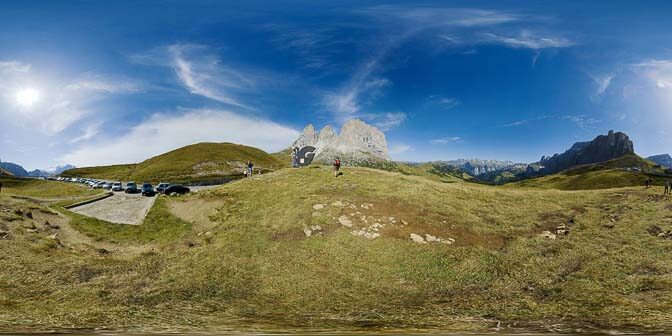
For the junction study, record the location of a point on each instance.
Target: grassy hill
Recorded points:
(615, 173)
(196, 162)
(296, 249)
(40, 188)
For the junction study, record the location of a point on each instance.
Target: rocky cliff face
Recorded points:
(602, 148)
(358, 143)
(477, 167)
(664, 160)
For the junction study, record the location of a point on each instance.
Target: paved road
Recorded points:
(120, 208)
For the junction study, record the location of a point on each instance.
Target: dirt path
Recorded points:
(120, 208)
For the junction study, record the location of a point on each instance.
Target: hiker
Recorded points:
(337, 166)
(245, 172)
(648, 183)
(0, 187)
(250, 166)
(294, 163)
(668, 188)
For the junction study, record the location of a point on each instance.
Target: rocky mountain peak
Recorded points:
(602, 148)
(357, 142)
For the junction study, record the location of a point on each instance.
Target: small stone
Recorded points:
(662, 235)
(345, 221)
(31, 230)
(308, 232)
(547, 235)
(338, 204)
(316, 228)
(418, 239)
(208, 234)
(53, 237)
(404, 222)
(562, 232)
(430, 238)
(318, 206)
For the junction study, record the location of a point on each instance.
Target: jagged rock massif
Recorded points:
(602, 148)
(357, 144)
(664, 160)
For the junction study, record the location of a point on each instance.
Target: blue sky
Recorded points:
(117, 82)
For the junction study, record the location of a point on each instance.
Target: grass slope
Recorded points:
(609, 174)
(245, 257)
(200, 161)
(40, 188)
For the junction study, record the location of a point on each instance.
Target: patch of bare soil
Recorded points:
(196, 211)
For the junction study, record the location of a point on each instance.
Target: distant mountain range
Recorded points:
(476, 167)
(18, 170)
(664, 160)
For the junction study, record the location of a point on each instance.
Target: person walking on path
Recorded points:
(337, 166)
(250, 167)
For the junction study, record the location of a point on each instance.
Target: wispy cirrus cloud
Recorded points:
(400, 148)
(525, 121)
(526, 39)
(438, 15)
(105, 84)
(446, 140)
(88, 133)
(201, 72)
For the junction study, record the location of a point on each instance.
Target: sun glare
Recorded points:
(27, 97)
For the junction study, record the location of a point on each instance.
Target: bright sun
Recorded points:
(27, 97)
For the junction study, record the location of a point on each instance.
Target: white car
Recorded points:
(116, 186)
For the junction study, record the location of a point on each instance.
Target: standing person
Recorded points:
(647, 183)
(668, 188)
(294, 163)
(250, 167)
(0, 187)
(337, 166)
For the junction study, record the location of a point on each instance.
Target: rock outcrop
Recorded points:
(664, 160)
(358, 143)
(602, 148)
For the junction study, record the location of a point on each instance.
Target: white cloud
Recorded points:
(105, 84)
(525, 121)
(445, 140)
(163, 133)
(13, 67)
(526, 39)
(397, 149)
(602, 83)
(388, 121)
(88, 133)
(201, 72)
(438, 16)
(445, 103)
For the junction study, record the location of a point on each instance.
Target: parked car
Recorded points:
(178, 189)
(131, 188)
(116, 186)
(147, 190)
(161, 187)
(107, 185)
(98, 185)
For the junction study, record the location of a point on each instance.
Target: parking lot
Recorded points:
(120, 208)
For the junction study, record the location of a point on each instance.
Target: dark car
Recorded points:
(148, 190)
(161, 187)
(178, 189)
(131, 188)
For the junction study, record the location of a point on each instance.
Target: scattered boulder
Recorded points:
(318, 206)
(548, 235)
(345, 221)
(418, 238)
